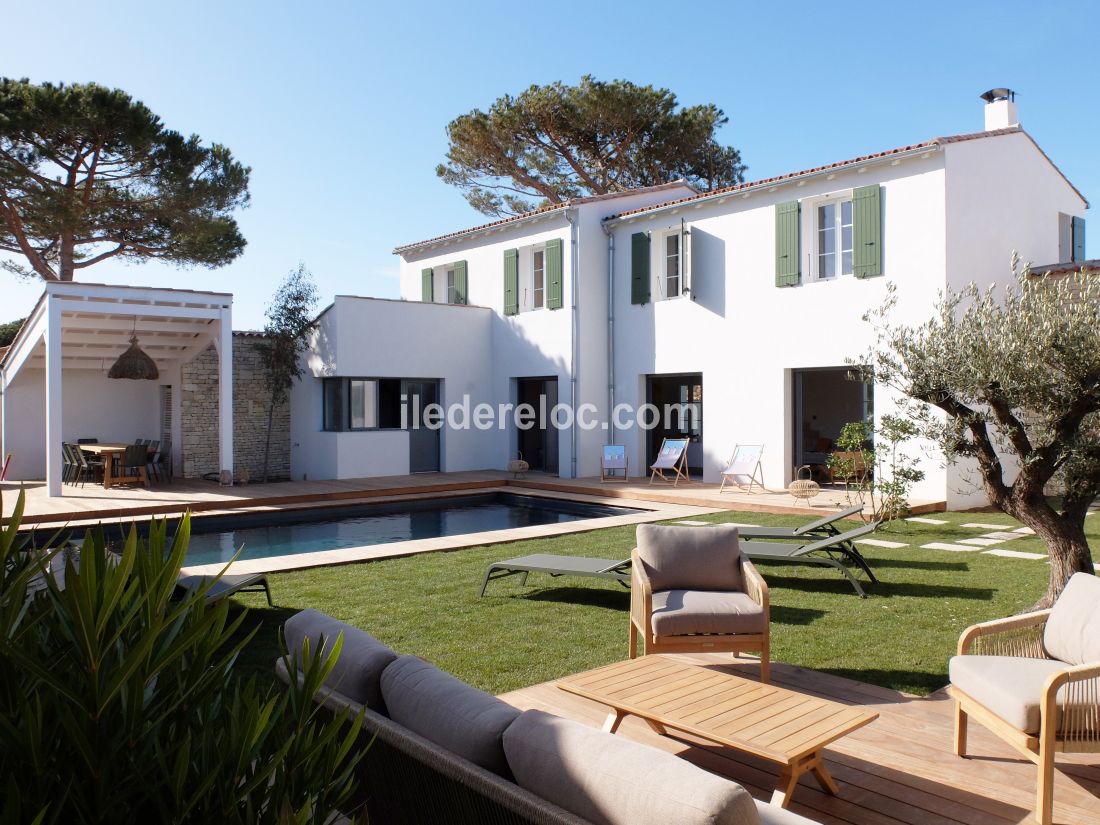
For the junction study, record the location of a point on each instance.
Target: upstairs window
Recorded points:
(538, 279)
(672, 265)
(451, 285)
(834, 239)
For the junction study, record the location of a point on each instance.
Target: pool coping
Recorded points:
(651, 511)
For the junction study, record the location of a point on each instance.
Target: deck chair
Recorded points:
(612, 461)
(226, 586)
(744, 470)
(671, 459)
(837, 551)
(556, 566)
(821, 528)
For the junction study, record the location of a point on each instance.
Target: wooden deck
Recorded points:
(93, 502)
(898, 769)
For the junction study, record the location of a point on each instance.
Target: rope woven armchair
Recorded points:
(1034, 681)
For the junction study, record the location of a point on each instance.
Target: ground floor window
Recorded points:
(361, 404)
(824, 400)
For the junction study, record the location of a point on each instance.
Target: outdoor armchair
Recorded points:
(693, 591)
(1034, 681)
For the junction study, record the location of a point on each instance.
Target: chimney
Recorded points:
(1000, 109)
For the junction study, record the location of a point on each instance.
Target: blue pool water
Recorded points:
(259, 535)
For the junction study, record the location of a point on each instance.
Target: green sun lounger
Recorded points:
(226, 586)
(555, 566)
(838, 551)
(821, 528)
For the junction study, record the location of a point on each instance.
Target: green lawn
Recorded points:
(901, 637)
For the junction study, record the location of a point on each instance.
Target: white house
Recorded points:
(744, 303)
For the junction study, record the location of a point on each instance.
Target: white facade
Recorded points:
(951, 211)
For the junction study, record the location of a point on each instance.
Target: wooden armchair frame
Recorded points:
(641, 621)
(1079, 731)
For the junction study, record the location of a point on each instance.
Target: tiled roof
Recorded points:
(1069, 266)
(934, 143)
(555, 207)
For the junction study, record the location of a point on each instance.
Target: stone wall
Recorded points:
(199, 415)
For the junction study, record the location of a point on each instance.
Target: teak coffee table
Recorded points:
(788, 728)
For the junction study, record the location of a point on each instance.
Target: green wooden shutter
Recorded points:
(552, 263)
(639, 268)
(1078, 245)
(511, 281)
(866, 231)
(426, 285)
(787, 270)
(460, 282)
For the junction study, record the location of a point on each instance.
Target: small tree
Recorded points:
(1011, 377)
(121, 701)
(289, 321)
(557, 142)
(894, 470)
(88, 174)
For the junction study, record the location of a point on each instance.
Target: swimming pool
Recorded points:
(261, 535)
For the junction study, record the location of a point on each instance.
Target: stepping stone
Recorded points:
(1014, 554)
(1003, 535)
(920, 520)
(981, 525)
(1027, 531)
(954, 548)
(982, 542)
(892, 545)
(691, 523)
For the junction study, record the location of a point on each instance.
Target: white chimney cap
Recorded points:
(1000, 109)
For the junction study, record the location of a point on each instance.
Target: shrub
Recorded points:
(118, 701)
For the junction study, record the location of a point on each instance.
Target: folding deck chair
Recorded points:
(837, 551)
(612, 461)
(821, 528)
(744, 470)
(672, 459)
(558, 566)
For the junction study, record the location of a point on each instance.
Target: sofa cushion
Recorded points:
(449, 712)
(690, 558)
(1010, 686)
(358, 670)
(612, 781)
(1072, 633)
(680, 612)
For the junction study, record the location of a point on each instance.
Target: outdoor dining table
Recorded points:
(110, 452)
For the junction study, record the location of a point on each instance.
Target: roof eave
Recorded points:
(448, 240)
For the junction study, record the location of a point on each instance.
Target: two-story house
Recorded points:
(741, 307)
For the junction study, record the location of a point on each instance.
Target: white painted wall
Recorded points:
(94, 406)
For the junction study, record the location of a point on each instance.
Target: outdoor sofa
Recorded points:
(439, 750)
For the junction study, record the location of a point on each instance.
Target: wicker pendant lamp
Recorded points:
(134, 364)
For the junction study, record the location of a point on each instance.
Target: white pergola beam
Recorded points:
(53, 399)
(144, 325)
(225, 392)
(77, 307)
(25, 347)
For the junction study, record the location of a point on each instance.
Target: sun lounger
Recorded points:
(837, 551)
(559, 566)
(226, 586)
(672, 459)
(821, 528)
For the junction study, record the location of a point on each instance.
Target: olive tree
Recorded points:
(1010, 378)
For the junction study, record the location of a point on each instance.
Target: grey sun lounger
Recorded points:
(821, 528)
(226, 586)
(837, 551)
(556, 566)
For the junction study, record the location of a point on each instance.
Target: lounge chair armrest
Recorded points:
(1015, 636)
(755, 586)
(1079, 689)
(641, 594)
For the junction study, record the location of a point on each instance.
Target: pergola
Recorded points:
(85, 327)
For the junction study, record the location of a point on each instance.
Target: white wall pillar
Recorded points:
(225, 391)
(53, 397)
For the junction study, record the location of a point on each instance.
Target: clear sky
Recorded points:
(340, 108)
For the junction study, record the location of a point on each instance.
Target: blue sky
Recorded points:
(340, 108)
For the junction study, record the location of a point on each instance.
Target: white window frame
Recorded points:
(538, 295)
(810, 234)
(449, 285)
(660, 289)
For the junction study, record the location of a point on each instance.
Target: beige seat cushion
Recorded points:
(690, 558)
(449, 712)
(1010, 686)
(608, 780)
(1072, 632)
(681, 612)
(362, 657)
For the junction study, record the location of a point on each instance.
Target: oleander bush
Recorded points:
(119, 703)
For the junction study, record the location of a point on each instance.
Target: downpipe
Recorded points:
(610, 332)
(574, 354)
